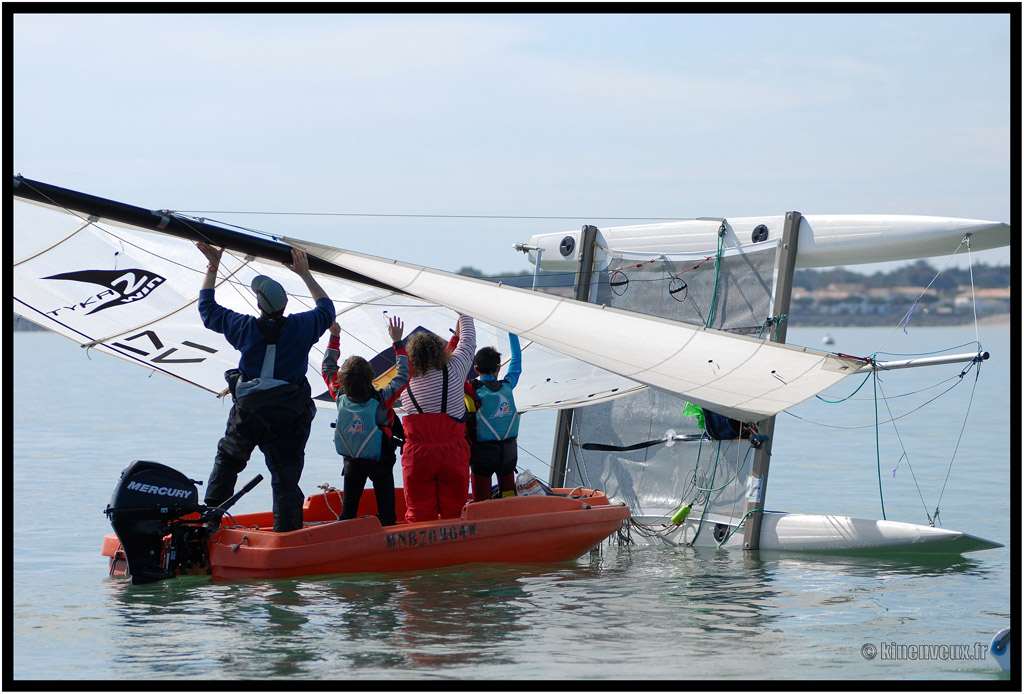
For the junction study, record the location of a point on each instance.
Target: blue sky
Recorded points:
(590, 117)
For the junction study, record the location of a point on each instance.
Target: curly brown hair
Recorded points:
(356, 379)
(426, 352)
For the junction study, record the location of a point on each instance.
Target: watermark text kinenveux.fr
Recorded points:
(891, 650)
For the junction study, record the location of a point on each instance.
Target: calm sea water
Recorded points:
(621, 613)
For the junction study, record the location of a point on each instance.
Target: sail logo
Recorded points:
(120, 287)
(355, 427)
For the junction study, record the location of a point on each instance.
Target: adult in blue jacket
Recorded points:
(273, 406)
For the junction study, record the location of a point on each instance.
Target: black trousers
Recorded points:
(357, 471)
(279, 423)
(494, 457)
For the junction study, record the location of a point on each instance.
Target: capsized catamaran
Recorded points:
(734, 275)
(123, 280)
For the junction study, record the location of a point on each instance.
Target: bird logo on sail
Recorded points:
(120, 287)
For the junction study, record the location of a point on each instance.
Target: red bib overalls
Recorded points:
(435, 467)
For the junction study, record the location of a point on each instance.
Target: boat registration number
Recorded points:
(432, 536)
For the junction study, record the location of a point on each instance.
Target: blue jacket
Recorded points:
(300, 332)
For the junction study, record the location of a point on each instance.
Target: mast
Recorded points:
(167, 222)
(785, 269)
(581, 292)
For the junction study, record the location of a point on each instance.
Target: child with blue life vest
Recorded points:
(495, 445)
(367, 424)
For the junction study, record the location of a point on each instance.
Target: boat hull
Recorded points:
(824, 534)
(524, 529)
(827, 533)
(825, 240)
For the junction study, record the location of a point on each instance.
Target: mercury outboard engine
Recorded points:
(162, 527)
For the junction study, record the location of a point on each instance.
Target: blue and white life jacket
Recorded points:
(356, 433)
(496, 415)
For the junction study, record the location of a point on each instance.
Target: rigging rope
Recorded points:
(963, 427)
(974, 300)
(956, 380)
(777, 322)
(707, 495)
(878, 445)
(433, 216)
(906, 317)
(905, 455)
(739, 525)
(931, 519)
(718, 270)
(739, 468)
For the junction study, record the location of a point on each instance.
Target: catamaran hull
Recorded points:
(826, 534)
(825, 240)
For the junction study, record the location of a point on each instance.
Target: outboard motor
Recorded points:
(162, 527)
(148, 501)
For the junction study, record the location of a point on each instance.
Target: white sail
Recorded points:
(133, 293)
(742, 377)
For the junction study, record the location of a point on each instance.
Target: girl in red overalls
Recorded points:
(435, 459)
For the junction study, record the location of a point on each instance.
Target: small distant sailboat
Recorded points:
(828, 340)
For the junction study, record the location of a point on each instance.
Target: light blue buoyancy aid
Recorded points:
(496, 416)
(356, 433)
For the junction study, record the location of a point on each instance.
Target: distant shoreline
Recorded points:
(1000, 320)
(995, 320)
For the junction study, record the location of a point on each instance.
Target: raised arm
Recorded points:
(213, 256)
(464, 352)
(329, 366)
(300, 266)
(515, 364)
(390, 391)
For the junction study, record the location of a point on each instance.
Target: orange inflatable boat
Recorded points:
(161, 532)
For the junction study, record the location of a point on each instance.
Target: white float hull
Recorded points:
(825, 240)
(827, 534)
